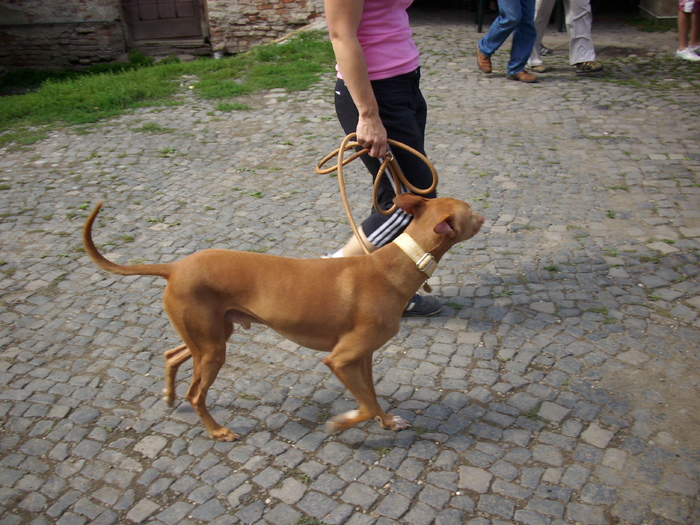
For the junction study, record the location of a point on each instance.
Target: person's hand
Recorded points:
(371, 134)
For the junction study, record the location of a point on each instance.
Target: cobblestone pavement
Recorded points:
(559, 385)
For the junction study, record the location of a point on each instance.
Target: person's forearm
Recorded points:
(343, 17)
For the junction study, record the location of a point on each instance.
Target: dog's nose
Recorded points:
(481, 219)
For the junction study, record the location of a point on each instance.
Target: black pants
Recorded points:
(403, 111)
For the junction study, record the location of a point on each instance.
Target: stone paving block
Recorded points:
(557, 440)
(548, 454)
(575, 476)
(551, 508)
(410, 469)
(268, 477)
(420, 514)
(496, 505)
(585, 514)
(598, 494)
(511, 490)
(328, 484)
(282, 515)
(505, 470)
(530, 518)
(475, 479)
(588, 454)
(251, 513)
(393, 506)
(290, 492)
(150, 446)
(434, 496)
(597, 436)
(681, 485)
(142, 510)
(360, 495)
(553, 411)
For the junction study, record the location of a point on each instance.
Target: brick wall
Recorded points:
(237, 26)
(659, 9)
(65, 34)
(50, 34)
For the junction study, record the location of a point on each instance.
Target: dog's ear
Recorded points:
(446, 227)
(410, 203)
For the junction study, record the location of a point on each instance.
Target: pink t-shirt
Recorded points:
(386, 38)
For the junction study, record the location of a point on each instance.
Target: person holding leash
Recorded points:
(377, 96)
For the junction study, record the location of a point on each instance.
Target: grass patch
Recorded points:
(79, 98)
(534, 412)
(308, 520)
(502, 293)
(226, 107)
(152, 127)
(656, 259)
(22, 136)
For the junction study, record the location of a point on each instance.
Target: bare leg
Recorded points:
(695, 29)
(683, 27)
(353, 246)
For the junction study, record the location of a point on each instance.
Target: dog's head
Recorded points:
(449, 217)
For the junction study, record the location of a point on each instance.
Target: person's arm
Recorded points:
(343, 18)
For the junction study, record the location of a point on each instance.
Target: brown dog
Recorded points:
(346, 306)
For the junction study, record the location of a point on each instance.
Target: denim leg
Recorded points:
(507, 20)
(523, 38)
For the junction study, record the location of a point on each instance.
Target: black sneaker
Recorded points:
(420, 306)
(545, 51)
(588, 67)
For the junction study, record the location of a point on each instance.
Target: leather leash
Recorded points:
(389, 161)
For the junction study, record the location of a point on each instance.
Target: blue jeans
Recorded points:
(517, 17)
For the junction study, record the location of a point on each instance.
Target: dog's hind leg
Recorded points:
(208, 348)
(173, 359)
(211, 358)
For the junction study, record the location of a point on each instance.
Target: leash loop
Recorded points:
(399, 179)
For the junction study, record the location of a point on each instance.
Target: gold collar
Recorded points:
(425, 262)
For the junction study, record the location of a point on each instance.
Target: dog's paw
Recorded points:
(400, 423)
(333, 428)
(342, 422)
(224, 434)
(168, 398)
(394, 423)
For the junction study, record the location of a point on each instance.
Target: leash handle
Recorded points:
(389, 161)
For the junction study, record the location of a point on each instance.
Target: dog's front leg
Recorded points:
(354, 369)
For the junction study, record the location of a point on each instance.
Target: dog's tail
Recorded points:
(161, 270)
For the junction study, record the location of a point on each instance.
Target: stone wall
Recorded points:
(659, 9)
(68, 34)
(237, 26)
(50, 34)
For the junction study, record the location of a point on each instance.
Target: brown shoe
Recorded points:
(483, 61)
(524, 76)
